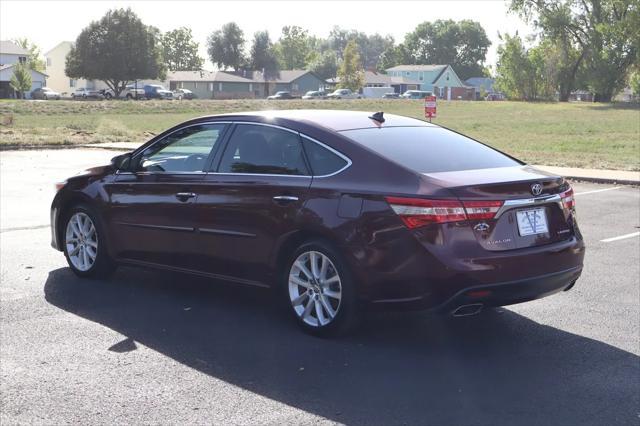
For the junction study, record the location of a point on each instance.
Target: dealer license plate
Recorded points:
(531, 222)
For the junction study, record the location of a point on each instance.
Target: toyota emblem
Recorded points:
(536, 189)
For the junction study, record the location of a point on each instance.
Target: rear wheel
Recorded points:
(84, 244)
(320, 292)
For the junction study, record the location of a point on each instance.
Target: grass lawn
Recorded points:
(562, 134)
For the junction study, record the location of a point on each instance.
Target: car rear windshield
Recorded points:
(430, 149)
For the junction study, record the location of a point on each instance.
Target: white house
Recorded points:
(10, 55)
(58, 79)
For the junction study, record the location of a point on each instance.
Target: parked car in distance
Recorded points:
(343, 94)
(416, 94)
(391, 95)
(84, 93)
(494, 97)
(315, 94)
(180, 94)
(130, 92)
(44, 93)
(156, 91)
(282, 95)
(332, 209)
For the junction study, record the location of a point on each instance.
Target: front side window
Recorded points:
(183, 151)
(263, 150)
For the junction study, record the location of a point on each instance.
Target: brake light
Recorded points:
(60, 185)
(568, 202)
(416, 212)
(478, 210)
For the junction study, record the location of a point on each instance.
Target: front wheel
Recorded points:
(84, 244)
(320, 292)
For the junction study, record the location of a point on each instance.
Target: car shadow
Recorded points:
(400, 368)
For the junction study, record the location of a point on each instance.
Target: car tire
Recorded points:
(129, 96)
(84, 97)
(324, 303)
(108, 96)
(84, 243)
(45, 97)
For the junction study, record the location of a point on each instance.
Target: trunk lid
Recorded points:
(532, 211)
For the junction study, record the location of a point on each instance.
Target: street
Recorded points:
(158, 347)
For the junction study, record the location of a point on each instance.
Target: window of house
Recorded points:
(211, 87)
(183, 151)
(263, 150)
(407, 73)
(22, 59)
(219, 87)
(48, 62)
(72, 82)
(294, 86)
(195, 85)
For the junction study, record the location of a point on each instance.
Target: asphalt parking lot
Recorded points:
(155, 347)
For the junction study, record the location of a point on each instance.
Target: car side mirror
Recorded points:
(122, 161)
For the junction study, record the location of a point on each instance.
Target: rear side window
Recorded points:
(430, 149)
(263, 150)
(322, 161)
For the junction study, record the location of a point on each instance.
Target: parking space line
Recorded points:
(621, 237)
(598, 190)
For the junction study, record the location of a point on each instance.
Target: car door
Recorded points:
(250, 200)
(151, 207)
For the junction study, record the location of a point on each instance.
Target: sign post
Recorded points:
(430, 107)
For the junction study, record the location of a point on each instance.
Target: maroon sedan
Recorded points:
(330, 208)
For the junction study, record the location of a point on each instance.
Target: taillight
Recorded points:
(477, 210)
(60, 185)
(416, 212)
(568, 202)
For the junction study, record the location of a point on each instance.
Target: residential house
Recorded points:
(10, 55)
(482, 86)
(58, 79)
(398, 84)
(441, 80)
(212, 85)
(298, 82)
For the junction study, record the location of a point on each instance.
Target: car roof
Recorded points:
(336, 120)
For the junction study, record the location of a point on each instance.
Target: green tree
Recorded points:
(292, 47)
(463, 45)
(325, 65)
(226, 47)
(634, 82)
(34, 61)
(394, 55)
(20, 80)
(605, 34)
(263, 56)
(516, 73)
(117, 49)
(180, 51)
(350, 71)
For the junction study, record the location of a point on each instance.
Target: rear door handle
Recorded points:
(285, 199)
(184, 196)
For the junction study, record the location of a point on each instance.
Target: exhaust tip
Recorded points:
(467, 310)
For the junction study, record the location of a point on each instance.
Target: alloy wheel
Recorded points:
(315, 289)
(81, 240)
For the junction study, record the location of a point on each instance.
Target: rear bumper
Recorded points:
(512, 292)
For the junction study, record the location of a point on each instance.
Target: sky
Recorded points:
(49, 22)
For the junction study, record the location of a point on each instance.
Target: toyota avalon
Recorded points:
(335, 210)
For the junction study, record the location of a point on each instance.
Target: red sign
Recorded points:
(430, 106)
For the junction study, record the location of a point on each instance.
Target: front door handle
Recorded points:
(285, 199)
(184, 196)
